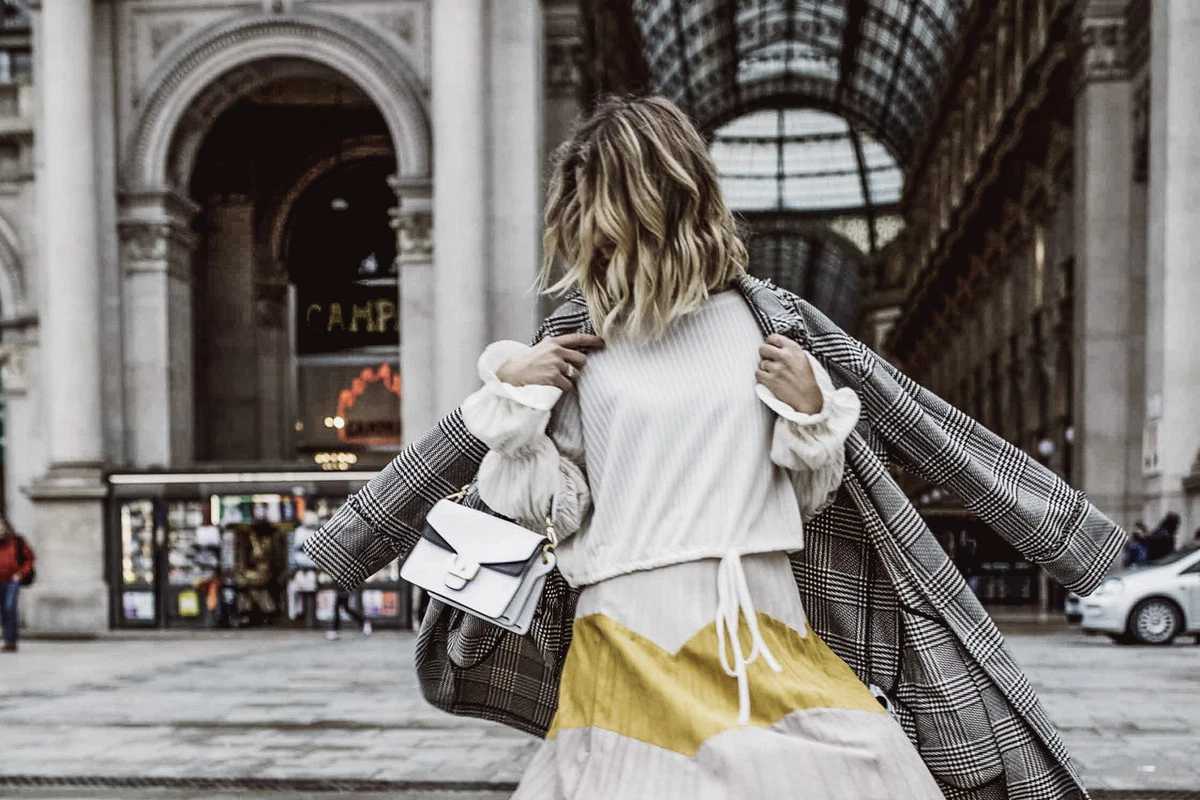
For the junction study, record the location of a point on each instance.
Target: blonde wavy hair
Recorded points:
(635, 212)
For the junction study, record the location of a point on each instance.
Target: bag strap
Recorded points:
(550, 532)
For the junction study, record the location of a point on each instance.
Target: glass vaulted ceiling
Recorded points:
(874, 62)
(802, 160)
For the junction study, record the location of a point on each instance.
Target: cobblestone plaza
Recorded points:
(292, 707)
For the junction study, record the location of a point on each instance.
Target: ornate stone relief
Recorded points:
(163, 33)
(401, 23)
(1104, 51)
(414, 235)
(156, 247)
(13, 378)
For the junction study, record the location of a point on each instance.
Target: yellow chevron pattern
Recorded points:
(622, 682)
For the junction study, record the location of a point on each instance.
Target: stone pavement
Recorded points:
(291, 706)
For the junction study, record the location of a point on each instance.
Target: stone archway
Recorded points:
(229, 59)
(176, 106)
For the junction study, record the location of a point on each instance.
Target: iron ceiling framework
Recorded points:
(876, 63)
(813, 107)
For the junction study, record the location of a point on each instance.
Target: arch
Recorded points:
(228, 59)
(274, 219)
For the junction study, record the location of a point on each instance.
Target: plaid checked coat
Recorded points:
(877, 586)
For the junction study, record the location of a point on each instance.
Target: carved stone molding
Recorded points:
(13, 377)
(155, 233)
(401, 23)
(163, 33)
(1105, 56)
(414, 235)
(156, 247)
(412, 219)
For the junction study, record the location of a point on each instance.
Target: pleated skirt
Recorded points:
(647, 711)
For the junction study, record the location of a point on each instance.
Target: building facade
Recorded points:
(1046, 267)
(218, 221)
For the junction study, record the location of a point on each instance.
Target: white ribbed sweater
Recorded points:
(685, 456)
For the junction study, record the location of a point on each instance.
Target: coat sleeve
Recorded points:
(1033, 509)
(528, 474)
(1046, 520)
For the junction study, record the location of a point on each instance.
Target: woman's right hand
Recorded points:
(554, 361)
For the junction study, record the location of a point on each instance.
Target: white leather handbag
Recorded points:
(487, 566)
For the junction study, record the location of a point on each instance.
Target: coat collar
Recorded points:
(770, 311)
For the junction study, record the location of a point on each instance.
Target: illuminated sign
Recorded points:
(364, 430)
(345, 317)
(335, 462)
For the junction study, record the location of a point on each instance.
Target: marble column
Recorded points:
(413, 221)
(1105, 306)
(156, 287)
(1172, 276)
(515, 158)
(460, 200)
(69, 516)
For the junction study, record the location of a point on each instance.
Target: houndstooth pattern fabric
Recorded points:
(876, 584)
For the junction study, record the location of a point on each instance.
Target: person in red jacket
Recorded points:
(16, 564)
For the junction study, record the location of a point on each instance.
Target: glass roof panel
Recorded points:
(802, 160)
(874, 62)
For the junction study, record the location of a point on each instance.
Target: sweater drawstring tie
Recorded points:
(734, 601)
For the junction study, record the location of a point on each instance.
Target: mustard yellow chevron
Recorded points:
(622, 682)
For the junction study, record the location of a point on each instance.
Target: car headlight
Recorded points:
(1111, 586)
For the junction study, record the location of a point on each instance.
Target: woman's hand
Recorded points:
(555, 361)
(785, 370)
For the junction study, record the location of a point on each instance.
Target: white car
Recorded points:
(1151, 603)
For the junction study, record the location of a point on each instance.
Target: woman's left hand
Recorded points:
(784, 369)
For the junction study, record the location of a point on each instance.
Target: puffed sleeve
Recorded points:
(812, 446)
(529, 474)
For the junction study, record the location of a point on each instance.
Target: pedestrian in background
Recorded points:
(1136, 549)
(16, 569)
(968, 561)
(343, 604)
(1162, 540)
(302, 580)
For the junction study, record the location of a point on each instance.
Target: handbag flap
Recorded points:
(480, 537)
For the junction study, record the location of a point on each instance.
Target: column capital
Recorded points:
(12, 369)
(412, 219)
(155, 232)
